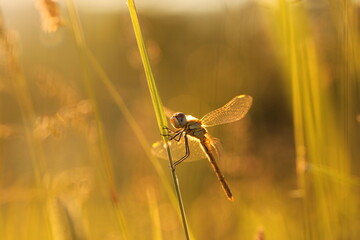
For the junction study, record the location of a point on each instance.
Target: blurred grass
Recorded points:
(20, 88)
(102, 141)
(321, 132)
(70, 170)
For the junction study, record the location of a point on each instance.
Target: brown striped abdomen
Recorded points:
(210, 154)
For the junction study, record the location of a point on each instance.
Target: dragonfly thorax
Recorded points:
(194, 128)
(178, 120)
(191, 125)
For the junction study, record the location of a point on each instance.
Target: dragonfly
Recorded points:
(192, 140)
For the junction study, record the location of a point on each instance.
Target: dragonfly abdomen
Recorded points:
(205, 143)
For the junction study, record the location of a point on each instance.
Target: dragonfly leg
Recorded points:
(187, 152)
(171, 130)
(177, 136)
(171, 137)
(168, 130)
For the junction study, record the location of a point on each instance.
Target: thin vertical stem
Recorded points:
(158, 107)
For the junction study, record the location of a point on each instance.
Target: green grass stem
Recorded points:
(158, 107)
(131, 121)
(99, 70)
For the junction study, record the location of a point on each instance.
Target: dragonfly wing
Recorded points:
(233, 111)
(178, 150)
(216, 146)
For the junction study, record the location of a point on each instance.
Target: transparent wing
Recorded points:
(168, 112)
(178, 149)
(233, 111)
(216, 147)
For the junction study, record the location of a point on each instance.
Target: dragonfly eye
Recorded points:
(178, 120)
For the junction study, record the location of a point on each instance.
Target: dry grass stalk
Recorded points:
(53, 86)
(50, 15)
(73, 115)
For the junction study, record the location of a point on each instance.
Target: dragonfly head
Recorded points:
(178, 120)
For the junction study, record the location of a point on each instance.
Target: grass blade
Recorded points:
(158, 107)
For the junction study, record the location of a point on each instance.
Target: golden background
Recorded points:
(73, 167)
